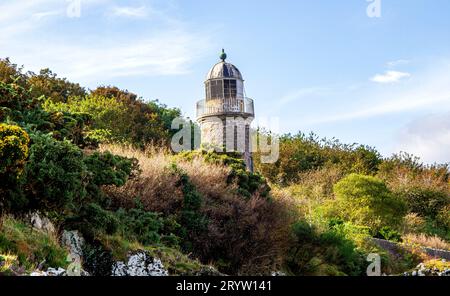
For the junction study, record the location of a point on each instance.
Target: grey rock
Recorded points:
(40, 222)
(74, 241)
(139, 263)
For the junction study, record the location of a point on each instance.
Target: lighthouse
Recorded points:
(226, 113)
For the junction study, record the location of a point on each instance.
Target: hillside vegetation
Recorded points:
(98, 161)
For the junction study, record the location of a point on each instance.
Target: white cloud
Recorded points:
(88, 56)
(396, 63)
(127, 11)
(427, 137)
(429, 90)
(390, 77)
(45, 14)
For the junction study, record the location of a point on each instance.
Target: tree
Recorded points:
(365, 200)
(48, 84)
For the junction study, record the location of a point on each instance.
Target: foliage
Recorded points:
(300, 153)
(425, 201)
(10, 73)
(60, 177)
(18, 106)
(107, 113)
(109, 169)
(190, 218)
(136, 224)
(330, 250)
(92, 220)
(443, 218)
(48, 84)
(13, 150)
(14, 143)
(389, 234)
(413, 223)
(55, 173)
(365, 200)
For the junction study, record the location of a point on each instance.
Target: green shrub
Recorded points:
(98, 220)
(366, 201)
(389, 234)
(140, 225)
(106, 113)
(342, 252)
(312, 249)
(191, 220)
(109, 169)
(55, 173)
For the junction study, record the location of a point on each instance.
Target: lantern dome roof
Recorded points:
(224, 70)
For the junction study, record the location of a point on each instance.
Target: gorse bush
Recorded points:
(443, 218)
(13, 149)
(107, 113)
(48, 84)
(109, 169)
(59, 177)
(14, 143)
(55, 173)
(140, 225)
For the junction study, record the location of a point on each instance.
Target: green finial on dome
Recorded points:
(223, 55)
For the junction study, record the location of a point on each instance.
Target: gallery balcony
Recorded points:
(230, 106)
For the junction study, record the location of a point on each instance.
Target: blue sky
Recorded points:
(322, 65)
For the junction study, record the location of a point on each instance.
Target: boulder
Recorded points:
(40, 222)
(74, 241)
(139, 263)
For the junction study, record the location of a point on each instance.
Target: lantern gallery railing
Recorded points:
(239, 106)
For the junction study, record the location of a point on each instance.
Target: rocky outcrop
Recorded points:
(74, 241)
(423, 270)
(40, 222)
(139, 263)
(56, 272)
(278, 273)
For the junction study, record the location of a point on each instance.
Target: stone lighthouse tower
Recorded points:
(225, 114)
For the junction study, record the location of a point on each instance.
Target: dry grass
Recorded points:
(209, 179)
(423, 240)
(413, 223)
(155, 187)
